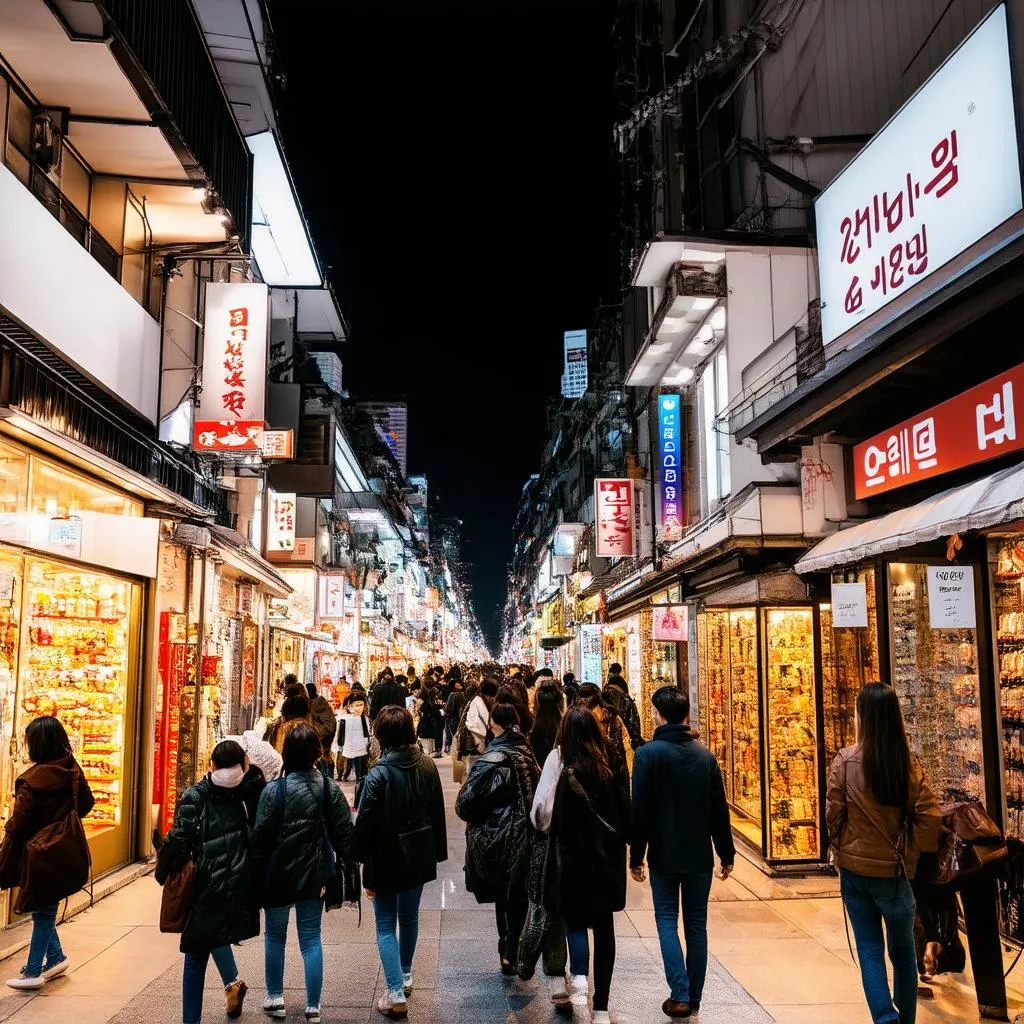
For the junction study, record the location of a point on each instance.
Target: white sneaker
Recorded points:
(407, 983)
(26, 984)
(579, 989)
(57, 969)
(559, 992)
(273, 1006)
(312, 1015)
(601, 1017)
(393, 1005)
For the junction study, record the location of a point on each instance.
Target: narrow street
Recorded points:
(778, 954)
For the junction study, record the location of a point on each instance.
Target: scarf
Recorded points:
(228, 778)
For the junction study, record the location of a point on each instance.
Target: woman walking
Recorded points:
(453, 713)
(44, 794)
(477, 717)
(548, 708)
(430, 727)
(211, 825)
(588, 820)
(400, 838)
(495, 804)
(302, 825)
(882, 814)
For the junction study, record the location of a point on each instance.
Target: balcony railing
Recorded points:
(74, 222)
(34, 385)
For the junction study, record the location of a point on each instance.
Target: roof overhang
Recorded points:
(680, 339)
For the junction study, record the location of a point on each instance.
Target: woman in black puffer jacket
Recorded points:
(212, 822)
(495, 803)
(302, 824)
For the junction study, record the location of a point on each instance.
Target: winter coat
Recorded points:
(620, 753)
(856, 820)
(431, 723)
(322, 716)
(495, 803)
(386, 693)
(679, 805)
(42, 796)
(589, 829)
(211, 824)
(453, 709)
(280, 728)
(621, 700)
(477, 719)
(353, 735)
(401, 794)
(289, 842)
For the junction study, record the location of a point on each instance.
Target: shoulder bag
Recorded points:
(971, 844)
(178, 894)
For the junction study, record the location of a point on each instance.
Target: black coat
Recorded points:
(387, 693)
(291, 836)
(322, 716)
(453, 708)
(495, 803)
(431, 723)
(589, 830)
(627, 709)
(401, 793)
(679, 806)
(213, 822)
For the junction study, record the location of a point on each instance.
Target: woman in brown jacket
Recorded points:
(44, 793)
(882, 814)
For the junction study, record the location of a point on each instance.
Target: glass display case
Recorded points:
(1007, 557)
(716, 721)
(745, 766)
(935, 673)
(791, 755)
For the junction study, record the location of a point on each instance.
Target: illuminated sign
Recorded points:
(574, 374)
(671, 623)
(613, 512)
(281, 522)
(277, 444)
(670, 431)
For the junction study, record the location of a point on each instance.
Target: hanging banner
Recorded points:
(590, 654)
(281, 522)
(849, 605)
(234, 366)
(614, 517)
(670, 430)
(671, 623)
(951, 602)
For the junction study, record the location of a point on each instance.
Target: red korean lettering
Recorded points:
(917, 252)
(234, 363)
(234, 348)
(944, 161)
(241, 333)
(235, 379)
(239, 317)
(234, 401)
(850, 250)
(854, 296)
(896, 277)
(879, 277)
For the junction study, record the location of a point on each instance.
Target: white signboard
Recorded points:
(951, 597)
(281, 522)
(940, 175)
(849, 605)
(574, 374)
(590, 654)
(332, 596)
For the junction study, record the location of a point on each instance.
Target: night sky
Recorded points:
(453, 161)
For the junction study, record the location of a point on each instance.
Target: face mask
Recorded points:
(228, 778)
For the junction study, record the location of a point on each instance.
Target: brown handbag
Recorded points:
(971, 845)
(176, 898)
(55, 862)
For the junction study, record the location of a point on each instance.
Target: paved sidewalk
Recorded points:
(779, 954)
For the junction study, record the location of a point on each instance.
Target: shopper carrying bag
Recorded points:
(882, 814)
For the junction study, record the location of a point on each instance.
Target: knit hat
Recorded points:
(261, 754)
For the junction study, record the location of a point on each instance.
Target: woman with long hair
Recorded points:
(477, 716)
(882, 814)
(614, 729)
(508, 694)
(495, 804)
(548, 709)
(588, 818)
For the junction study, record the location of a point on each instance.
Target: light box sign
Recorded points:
(670, 419)
(671, 623)
(574, 374)
(941, 174)
(590, 654)
(974, 426)
(332, 596)
(613, 505)
(281, 522)
(234, 367)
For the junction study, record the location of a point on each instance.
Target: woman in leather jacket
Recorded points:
(495, 803)
(400, 839)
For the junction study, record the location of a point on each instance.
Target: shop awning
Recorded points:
(235, 550)
(984, 503)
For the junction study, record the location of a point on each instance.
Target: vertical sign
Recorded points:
(332, 597)
(281, 522)
(590, 654)
(574, 374)
(670, 418)
(613, 514)
(231, 408)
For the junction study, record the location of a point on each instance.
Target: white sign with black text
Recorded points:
(849, 605)
(951, 602)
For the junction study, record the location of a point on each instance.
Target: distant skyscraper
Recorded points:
(393, 419)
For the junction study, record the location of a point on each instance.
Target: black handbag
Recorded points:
(417, 851)
(334, 887)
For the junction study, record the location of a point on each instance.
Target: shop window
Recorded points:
(57, 493)
(1007, 556)
(13, 490)
(714, 400)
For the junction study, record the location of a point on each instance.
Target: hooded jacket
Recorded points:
(294, 823)
(495, 803)
(42, 796)
(401, 794)
(864, 832)
(211, 824)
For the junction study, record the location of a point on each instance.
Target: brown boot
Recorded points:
(235, 993)
(675, 1010)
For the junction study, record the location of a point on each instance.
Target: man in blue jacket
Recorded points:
(679, 810)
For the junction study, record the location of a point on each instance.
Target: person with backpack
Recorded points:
(354, 735)
(430, 727)
(882, 814)
(321, 715)
(46, 868)
(400, 838)
(303, 824)
(453, 713)
(212, 827)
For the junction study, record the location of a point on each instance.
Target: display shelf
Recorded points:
(719, 693)
(745, 753)
(1008, 593)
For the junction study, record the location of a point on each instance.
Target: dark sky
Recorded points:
(453, 162)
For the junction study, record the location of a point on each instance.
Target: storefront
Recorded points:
(287, 654)
(669, 639)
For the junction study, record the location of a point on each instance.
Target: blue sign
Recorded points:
(670, 472)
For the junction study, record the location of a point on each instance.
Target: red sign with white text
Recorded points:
(975, 426)
(222, 436)
(613, 503)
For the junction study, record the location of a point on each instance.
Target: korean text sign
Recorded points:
(940, 175)
(281, 522)
(976, 425)
(234, 356)
(613, 505)
(670, 418)
(574, 376)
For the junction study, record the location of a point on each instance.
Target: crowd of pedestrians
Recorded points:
(562, 798)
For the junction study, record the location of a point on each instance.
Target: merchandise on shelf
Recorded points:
(717, 720)
(1009, 615)
(746, 714)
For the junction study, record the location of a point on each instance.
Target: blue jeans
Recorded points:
(685, 980)
(604, 954)
(869, 902)
(308, 914)
(397, 917)
(44, 948)
(193, 980)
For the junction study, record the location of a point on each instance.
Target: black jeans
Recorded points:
(510, 916)
(604, 955)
